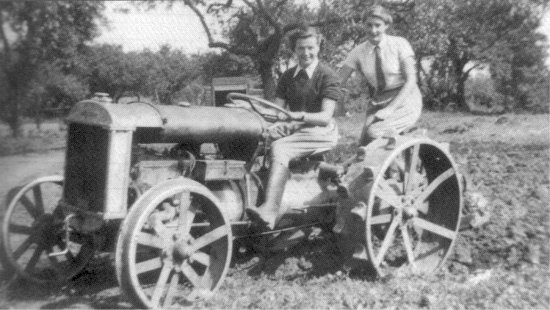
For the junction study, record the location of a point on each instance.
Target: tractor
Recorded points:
(165, 188)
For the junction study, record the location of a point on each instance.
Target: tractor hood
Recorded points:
(204, 123)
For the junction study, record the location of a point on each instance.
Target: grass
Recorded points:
(506, 158)
(51, 135)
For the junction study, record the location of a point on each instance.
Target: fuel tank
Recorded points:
(169, 123)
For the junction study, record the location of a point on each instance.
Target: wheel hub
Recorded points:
(182, 249)
(45, 230)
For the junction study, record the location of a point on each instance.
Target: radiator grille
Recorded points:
(86, 167)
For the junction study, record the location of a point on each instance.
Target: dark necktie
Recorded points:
(301, 91)
(302, 76)
(380, 80)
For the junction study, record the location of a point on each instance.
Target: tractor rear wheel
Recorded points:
(414, 208)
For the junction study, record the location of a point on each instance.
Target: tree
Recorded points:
(254, 29)
(455, 37)
(52, 92)
(107, 68)
(225, 64)
(170, 71)
(33, 33)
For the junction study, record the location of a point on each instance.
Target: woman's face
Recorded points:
(376, 29)
(306, 51)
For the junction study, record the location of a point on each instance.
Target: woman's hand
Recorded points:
(383, 113)
(295, 116)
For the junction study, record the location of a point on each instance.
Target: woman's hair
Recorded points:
(305, 32)
(380, 12)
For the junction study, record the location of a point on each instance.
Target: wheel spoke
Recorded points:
(150, 240)
(38, 199)
(208, 238)
(186, 214)
(431, 188)
(413, 162)
(380, 219)
(29, 206)
(387, 193)
(171, 290)
(22, 248)
(388, 239)
(161, 283)
(202, 258)
(383, 205)
(34, 259)
(400, 164)
(434, 228)
(20, 229)
(191, 274)
(148, 265)
(408, 245)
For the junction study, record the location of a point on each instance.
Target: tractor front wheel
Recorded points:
(174, 246)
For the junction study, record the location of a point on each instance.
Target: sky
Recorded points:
(140, 28)
(179, 27)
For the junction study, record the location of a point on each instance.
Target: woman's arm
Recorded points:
(344, 73)
(322, 118)
(409, 67)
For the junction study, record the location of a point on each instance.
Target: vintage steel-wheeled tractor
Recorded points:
(165, 187)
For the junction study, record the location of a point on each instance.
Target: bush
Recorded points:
(481, 95)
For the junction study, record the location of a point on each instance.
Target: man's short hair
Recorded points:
(380, 12)
(305, 32)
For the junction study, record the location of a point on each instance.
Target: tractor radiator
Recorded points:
(97, 170)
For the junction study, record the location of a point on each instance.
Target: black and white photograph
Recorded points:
(275, 154)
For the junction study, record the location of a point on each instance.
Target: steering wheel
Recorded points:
(255, 100)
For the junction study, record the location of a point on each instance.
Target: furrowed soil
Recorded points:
(501, 264)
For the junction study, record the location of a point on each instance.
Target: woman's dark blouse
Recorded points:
(308, 96)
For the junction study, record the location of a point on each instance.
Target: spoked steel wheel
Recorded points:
(414, 207)
(174, 246)
(33, 228)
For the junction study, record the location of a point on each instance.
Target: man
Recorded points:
(310, 92)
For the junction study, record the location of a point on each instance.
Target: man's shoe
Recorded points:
(262, 218)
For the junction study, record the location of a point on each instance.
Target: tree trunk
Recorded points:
(460, 93)
(13, 119)
(268, 80)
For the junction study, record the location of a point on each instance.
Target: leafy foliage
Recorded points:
(452, 38)
(254, 29)
(159, 75)
(36, 33)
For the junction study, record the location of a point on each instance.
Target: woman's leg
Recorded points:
(300, 144)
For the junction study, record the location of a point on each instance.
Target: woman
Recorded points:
(387, 63)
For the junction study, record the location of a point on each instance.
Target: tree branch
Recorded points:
(467, 72)
(251, 6)
(270, 19)
(214, 6)
(7, 49)
(211, 42)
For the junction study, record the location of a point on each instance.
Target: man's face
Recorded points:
(307, 50)
(376, 29)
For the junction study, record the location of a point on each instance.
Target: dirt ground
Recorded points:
(503, 263)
